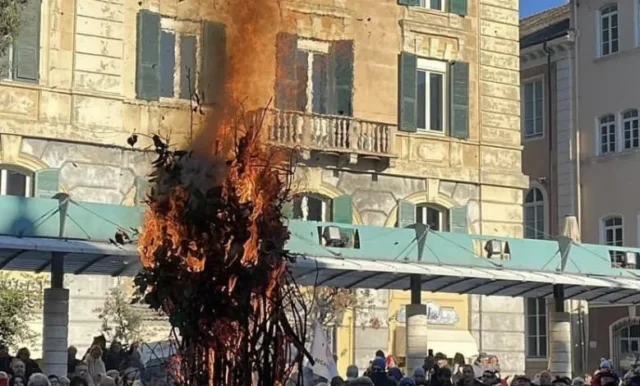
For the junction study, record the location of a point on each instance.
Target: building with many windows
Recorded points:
(403, 111)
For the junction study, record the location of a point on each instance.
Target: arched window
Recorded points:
(312, 207)
(607, 134)
(534, 221)
(625, 339)
(15, 182)
(630, 129)
(612, 231)
(609, 29)
(432, 215)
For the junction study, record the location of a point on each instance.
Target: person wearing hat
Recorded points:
(379, 375)
(419, 376)
(468, 377)
(352, 373)
(605, 376)
(5, 358)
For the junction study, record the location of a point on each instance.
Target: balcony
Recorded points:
(347, 138)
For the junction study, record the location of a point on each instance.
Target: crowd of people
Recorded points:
(114, 366)
(438, 370)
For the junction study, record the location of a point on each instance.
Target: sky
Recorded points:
(530, 7)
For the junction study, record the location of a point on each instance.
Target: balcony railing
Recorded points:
(331, 134)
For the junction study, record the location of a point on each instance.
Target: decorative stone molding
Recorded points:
(423, 40)
(317, 9)
(11, 145)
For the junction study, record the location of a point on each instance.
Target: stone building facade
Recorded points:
(405, 111)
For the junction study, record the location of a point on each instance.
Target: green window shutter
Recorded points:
(187, 66)
(142, 189)
(213, 62)
(287, 209)
(414, 3)
(343, 56)
(342, 209)
(408, 92)
(406, 214)
(26, 46)
(286, 85)
(460, 100)
(47, 183)
(301, 78)
(458, 220)
(148, 56)
(167, 63)
(459, 7)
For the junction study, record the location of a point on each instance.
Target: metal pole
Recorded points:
(415, 284)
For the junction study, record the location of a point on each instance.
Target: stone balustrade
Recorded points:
(330, 133)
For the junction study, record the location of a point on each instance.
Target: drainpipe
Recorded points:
(551, 179)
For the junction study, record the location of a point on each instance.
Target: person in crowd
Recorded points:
(5, 357)
(605, 376)
(545, 379)
(352, 373)
(521, 380)
(115, 374)
(380, 354)
(441, 360)
(107, 381)
(378, 374)
(634, 380)
(18, 367)
(494, 363)
(64, 381)
(95, 363)
(337, 381)
(442, 377)
(54, 380)
(468, 377)
(77, 381)
(38, 379)
(18, 380)
(419, 376)
(82, 372)
(72, 361)
(458, 364)
(4, 379)
(407, 381)
(31, 366)
(132, 359)
(489, 378)
(481, 363)
(114, 356)
(561, 381)
(578, 382)
(395, 373)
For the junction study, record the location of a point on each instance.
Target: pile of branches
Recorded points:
(213, 259)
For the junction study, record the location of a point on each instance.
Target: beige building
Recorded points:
(412, 102)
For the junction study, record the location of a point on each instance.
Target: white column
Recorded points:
(416, 336)
(55, 331)
(560, 343)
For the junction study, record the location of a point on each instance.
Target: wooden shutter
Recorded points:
(286, 88)
(26, 47)
(342, 209)
(414, 3)
(301, 78)
(148, 60)
(406, 214)
(460, 100)
(142, 189)
(47, 183)
(408, 92)
(213, 65)
(459, 7)
(167, 63)
(458, 220)
(188, 69)
(343, 57)
(319, 82)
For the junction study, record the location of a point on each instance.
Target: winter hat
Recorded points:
(395, 373)
(418, 372)
(352, 372)
(605, 364)
(406, 381)
(578, 381)
(378, 364)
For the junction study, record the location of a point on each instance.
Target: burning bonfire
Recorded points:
(213, 260)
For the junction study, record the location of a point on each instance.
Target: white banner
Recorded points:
(324, 366)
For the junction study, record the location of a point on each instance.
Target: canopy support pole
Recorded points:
(55, 330)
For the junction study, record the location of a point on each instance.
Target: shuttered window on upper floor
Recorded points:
(21, 61)
(167, 60)
(434, 96)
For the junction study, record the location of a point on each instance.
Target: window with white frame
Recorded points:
(313, 60)
(433, 4)
(607, 134)
(179, 45)
(534, 214)
(609, 29)
(432, 95)
(533, 109)
(433, 216)
(630, 129)
(536, 328)
(311, 207)
(613, 235)
(15, 183)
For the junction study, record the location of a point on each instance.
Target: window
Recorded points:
(534, 214)
(21, 62)
(536, 328)
(312, 70)
(178, 65)
(609, 29)
(630, 129)
(15, 183)
(431, 85)
(613, 235)
(626, 341)
(312, 207)
(607, 134)
(430, 215)
(433, 4)
(533, 109)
